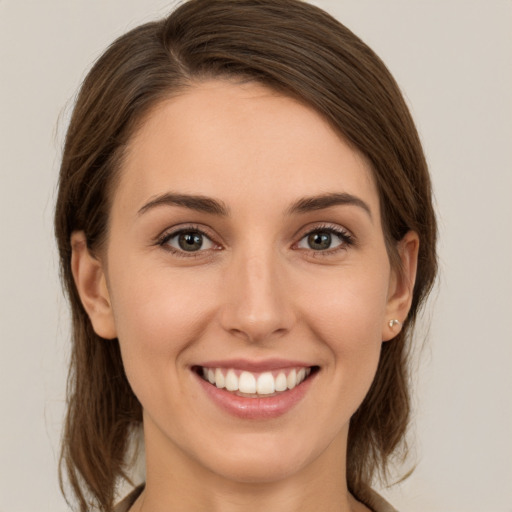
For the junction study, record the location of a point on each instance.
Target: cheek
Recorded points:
(156, 304)
(349, 308)
(157, 315)
(347, 315)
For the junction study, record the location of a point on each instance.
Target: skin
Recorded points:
(257, 290)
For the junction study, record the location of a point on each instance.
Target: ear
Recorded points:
(91, 284)
(401, 285)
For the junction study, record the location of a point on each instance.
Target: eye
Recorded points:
(324, 239)
(187, 241)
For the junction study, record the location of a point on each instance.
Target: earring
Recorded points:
(394, 322)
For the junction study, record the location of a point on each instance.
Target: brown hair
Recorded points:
(301, 51)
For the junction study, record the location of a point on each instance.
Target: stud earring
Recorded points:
(394, 322)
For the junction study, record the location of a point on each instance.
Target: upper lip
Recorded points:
(255, 365)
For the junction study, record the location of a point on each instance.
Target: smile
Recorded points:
(255, 390)
(255, 385)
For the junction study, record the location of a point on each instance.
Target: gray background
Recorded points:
(453, 59)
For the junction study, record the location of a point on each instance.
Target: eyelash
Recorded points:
(163, 241)
(346, 238)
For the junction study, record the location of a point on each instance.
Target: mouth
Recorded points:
(248, 384)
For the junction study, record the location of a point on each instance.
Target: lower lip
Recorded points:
(256, 408)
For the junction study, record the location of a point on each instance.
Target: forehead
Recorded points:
(238, 143)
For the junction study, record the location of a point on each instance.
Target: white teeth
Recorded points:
(265, 384)
(281, 383)
(219, 378)
(231, 381)
(247, 383)
(291, 380)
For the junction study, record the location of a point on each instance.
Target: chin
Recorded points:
(259, 459)
(257, 470)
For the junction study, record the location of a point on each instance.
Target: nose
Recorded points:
(257, 301)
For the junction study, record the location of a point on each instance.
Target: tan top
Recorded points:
(376, 502)
(125, 504)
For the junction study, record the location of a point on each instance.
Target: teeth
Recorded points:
(291, 380)
(266, 383)
(281, 383)
(231, 381)
(247, 383)
(219, 378)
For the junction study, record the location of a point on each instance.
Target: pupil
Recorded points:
(190, 241)
(319, 241)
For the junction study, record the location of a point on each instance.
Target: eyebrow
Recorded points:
(212, 206)
(320, 202)
(193, 202)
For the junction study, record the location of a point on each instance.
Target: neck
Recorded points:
(178, 483)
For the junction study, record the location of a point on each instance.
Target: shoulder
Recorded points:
(377, 503)
(128, 501)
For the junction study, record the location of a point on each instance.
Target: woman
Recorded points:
(246, 235)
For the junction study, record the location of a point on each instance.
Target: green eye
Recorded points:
(187, 241)
(324, 239)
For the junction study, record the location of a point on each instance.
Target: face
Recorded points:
(245, 251)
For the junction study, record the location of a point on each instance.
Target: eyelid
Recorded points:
(344, 234)
(169, 233)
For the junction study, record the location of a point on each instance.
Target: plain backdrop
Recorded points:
(453, 60)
